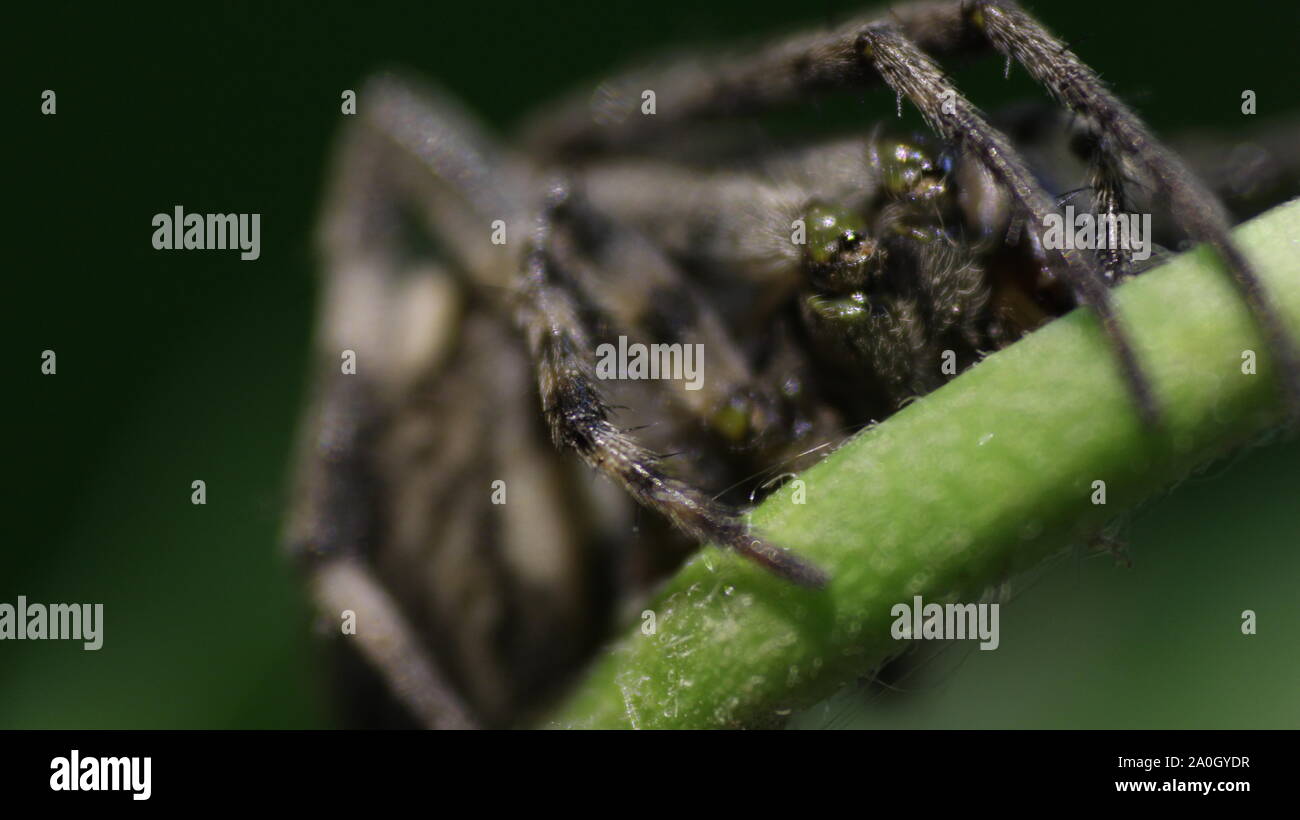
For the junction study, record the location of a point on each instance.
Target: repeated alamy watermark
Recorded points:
(682, 362)
(181, 231)
(1089, 231)
(920, 621)
(53, 622)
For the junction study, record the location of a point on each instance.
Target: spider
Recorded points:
(828, 282)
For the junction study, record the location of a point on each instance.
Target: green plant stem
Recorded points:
(954, 494)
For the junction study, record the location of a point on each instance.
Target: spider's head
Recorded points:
(910, 170)
(840, 255)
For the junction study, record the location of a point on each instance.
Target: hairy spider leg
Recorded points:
(1198, 211)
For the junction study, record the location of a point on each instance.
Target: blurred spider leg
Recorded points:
(1251, 170)
(1017, 35)
(579, 418)
(914, 75)
(701, 87)
(333, 522)
(336, 518)
(414, 149)
(387, 641)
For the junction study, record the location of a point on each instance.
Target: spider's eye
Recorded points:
(835, 236)
(732, 421)
(840, 254)
(741, 416)
(910, 171)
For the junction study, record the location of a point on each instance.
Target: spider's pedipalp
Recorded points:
(1198, 211)
(579, 419)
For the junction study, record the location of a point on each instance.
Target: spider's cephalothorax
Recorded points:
(825, 284)
(893, 289)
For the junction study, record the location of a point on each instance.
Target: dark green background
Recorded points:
(177, 366)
